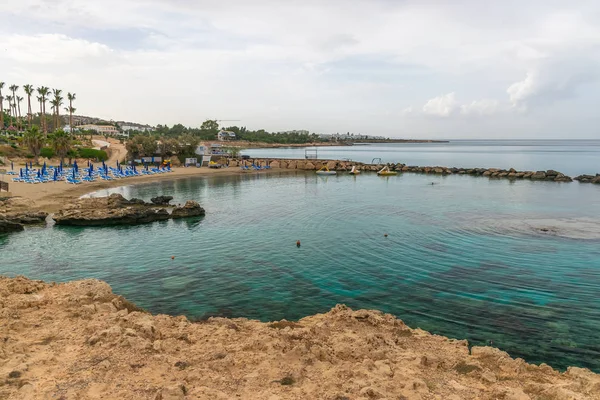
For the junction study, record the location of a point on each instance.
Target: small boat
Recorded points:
(385, 171)
(325, 171)
(354, 170)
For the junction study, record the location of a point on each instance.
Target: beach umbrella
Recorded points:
(21, 172)
(11, 166)
(118, 165)
(75, 166)
(60, 167)
(39, 174)
(30, 164)
(55, 175)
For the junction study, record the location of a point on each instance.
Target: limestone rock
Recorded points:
(8, 226)
(190, 209)
(116, 210)
(161, 200)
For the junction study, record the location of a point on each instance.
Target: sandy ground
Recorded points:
(78, 340)
(51, 196)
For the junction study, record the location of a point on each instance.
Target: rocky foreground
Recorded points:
(80, 341)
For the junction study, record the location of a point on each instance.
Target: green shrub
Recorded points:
(29, 156)
(47, 152)
(100, 155)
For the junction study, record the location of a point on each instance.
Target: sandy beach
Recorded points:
(51, 196)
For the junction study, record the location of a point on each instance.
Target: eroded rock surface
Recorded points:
(78, 340)
(116, 210)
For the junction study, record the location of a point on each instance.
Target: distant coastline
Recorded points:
(259, 145)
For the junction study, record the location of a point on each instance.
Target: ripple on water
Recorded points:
(463, 260)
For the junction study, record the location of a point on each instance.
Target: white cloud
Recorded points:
(340, 65)
(520, 91)
(481, 107)
(441, 106)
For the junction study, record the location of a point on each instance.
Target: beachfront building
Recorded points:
(103, 130)
(226, 135)
(136, 127)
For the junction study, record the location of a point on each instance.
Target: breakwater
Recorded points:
(341, 165)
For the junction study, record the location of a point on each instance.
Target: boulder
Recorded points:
(190, 209)
(331, 165)
(539, 175)
(161, 200)
(8, 226)
(274, 164)
(309, 166)
(487, 173)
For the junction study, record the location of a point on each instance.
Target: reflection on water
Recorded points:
(460, 259)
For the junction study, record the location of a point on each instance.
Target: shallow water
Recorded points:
(571, 157)
(464, 258)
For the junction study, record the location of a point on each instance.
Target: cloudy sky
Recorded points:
(403, 68)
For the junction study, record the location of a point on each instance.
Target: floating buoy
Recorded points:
(385, 235)
(298, 243)
(172, 257)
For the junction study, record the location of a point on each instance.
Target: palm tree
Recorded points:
(29, 91)
(34, 141)
(71, 110)
(9, 98)
(13, 89)
(43, 92)
(19, 100)
(1, 107)
(57, 103)
(71, 97)
(61, 143)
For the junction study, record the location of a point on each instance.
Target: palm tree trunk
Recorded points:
(30, 117)
(20, 120)
(44, 116)
(71, 114)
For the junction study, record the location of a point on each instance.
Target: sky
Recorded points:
(399, 68)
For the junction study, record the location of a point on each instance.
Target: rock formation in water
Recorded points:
(116, 210)
(78, 340)
(161, 200)
(16, 212)
(588, 178)
(511, 174)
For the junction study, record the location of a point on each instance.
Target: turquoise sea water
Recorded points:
(463, 257)
(572, 157)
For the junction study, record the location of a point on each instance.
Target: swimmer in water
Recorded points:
(298, 244)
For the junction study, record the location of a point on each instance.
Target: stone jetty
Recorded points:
(495, 173)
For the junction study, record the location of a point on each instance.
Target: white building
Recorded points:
(132, 127)
(225, 135)
(103, 130)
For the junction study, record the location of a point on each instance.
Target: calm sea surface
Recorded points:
(571, 157)
(464, 258)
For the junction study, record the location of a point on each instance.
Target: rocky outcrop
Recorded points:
(588, 178)
(116, 210)
(16, 212)
(161, 200)
(79, 340)
(189, 209)
(8, 226)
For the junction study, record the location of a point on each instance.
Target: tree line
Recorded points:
(210, 128)
(13, 119)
